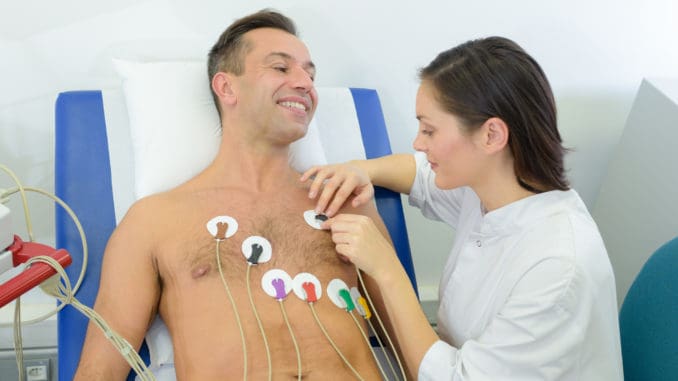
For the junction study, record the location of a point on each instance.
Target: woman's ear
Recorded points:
(222, 85)
(495, 134)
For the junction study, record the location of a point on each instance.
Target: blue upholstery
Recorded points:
(648, 319)
(377, 144)
(83, 180)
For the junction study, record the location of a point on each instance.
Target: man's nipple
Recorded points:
(200, 271)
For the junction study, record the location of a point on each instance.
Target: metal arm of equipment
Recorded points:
(35, 274)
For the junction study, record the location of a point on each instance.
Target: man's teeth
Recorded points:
(298, 105)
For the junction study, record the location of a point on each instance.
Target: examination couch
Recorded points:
(107, 156)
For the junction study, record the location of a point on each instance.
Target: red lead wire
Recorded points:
(309, 287)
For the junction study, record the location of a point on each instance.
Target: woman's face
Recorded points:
(450, 149)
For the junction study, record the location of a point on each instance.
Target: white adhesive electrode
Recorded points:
(314, 219)
(215, 226)
(301, 283)
(276, 283)
(256, 249)
(355, 295)
(333, 289)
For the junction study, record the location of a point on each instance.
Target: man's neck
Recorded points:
(260, 168)
(249, 156)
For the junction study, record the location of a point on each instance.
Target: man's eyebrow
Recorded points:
(309, 65)
(278, 55)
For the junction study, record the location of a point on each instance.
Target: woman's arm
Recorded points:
(358, 239)
(408, 321)
(395, 172)
(335, 184)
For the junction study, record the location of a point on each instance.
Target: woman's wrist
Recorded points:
(363, 166)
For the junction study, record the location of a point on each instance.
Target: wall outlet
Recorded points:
(37, 370)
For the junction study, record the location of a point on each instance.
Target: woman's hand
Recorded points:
(358, 240)
(336, 183)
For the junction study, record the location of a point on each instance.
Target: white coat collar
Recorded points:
(527, 211)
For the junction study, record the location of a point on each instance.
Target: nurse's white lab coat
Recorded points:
(527, 292)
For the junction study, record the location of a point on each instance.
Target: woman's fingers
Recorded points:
(319, 174)
(309, 173)
(330, 193)
(358, 239)
(352, 237)
(334, 197)
(366, 194)
(335, 184)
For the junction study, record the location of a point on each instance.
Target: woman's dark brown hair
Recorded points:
(494, 77)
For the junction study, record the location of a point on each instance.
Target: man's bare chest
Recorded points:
(263, 237)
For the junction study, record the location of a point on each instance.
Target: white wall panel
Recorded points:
(636, 209)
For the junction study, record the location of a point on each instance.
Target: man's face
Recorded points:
(276, 93)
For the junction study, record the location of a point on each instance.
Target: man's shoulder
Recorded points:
(151, 207)
(150, 203)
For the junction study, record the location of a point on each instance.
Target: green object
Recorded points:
(347, 298)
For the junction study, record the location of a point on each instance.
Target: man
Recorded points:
(162, 259)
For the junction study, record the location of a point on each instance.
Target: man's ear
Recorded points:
(495, 134)
(222, 85)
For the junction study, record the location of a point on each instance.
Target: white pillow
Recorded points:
(175, 127)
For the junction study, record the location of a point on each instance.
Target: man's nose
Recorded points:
(301, 79)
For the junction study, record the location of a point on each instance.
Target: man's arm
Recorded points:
(127, 298)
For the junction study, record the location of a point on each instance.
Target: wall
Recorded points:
(595, 54)
(637, 208)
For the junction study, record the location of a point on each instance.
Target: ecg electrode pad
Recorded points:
(305, 282)
(314, 219)
(256, 249)
(276, 283)
(333, 289)
(222, 227)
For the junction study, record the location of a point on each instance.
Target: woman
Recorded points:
(527, 292)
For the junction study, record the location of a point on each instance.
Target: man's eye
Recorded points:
(282, 69)
(427, 132)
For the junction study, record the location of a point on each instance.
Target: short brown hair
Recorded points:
(495, 77)
(228, 52)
